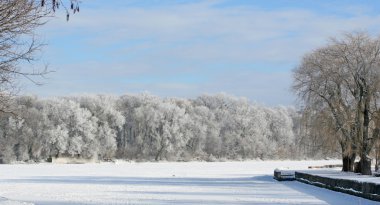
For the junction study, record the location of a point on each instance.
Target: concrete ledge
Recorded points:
(283, 175)
(362, 189)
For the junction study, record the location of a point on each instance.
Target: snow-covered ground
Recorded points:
(162, 183)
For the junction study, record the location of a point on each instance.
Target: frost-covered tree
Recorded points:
(109, 121)
(147, 127)
(78, 123)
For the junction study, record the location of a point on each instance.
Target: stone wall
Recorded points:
(362, 189)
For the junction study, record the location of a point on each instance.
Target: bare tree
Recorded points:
(19, 20)
(344, 77)
(317, 134)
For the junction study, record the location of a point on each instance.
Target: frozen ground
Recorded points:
(162, 183)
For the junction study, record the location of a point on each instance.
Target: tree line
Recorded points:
(147, 128)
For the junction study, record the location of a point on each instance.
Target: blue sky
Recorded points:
(186, 48)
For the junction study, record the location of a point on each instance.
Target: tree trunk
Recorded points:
(345, 167)
(348, 163)
(377, 158)
(159, 153)
(365, 163)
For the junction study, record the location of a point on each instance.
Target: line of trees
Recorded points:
(146, 127)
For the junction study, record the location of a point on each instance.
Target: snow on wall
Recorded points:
(365, 189)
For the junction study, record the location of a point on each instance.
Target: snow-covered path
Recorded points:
(162, 183)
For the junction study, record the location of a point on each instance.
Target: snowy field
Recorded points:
(162, 183)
